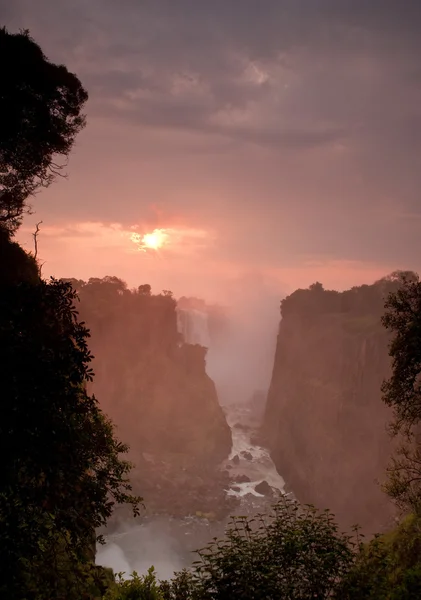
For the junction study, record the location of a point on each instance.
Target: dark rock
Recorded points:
(263, 488)
(247, 455)
(242, 426)
(241, 479)
(236, 459)
(235, 488)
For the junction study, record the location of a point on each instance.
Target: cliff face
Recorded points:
(325, 422)
(155, 389)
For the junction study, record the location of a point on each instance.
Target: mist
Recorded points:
(241, 361)
(144, 545)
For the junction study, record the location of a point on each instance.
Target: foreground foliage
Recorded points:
(62, 473)
(389, 567)
(294, 552)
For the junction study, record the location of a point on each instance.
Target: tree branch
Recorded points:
(35, 236)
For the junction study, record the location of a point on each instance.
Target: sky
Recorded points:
(274, 142)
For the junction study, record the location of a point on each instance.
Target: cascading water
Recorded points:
(193, 325)
(249, 463)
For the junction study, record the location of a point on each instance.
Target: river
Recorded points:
(168, 543)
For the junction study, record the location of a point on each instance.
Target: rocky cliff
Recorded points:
(325, 422)
(156, 390)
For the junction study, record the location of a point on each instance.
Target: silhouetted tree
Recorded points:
(403, 317)
(15, 264)
(61, 469)
(40, 116)
(144, 290)
(403, 391)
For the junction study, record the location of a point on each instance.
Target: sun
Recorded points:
(154, 240)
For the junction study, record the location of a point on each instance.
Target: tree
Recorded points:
(402, 392)
(403, 318)
(144, 289)
(40, 116)
(316, 287)
(292, 553)
(62, 473)
(15, 264)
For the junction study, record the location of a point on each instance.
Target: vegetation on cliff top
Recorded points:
(364, 300)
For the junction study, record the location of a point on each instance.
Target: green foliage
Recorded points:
(293, 553)
(389, 567)
(402, 392)
(40, 116)
(62, 473)
(144, 587)
(403, 484)
(403, 318)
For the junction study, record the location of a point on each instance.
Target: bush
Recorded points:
(292, 553)
(389, 567)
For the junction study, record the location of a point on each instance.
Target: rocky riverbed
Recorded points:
(192, 505)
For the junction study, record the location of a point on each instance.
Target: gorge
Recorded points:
(195, 460)
(206, 444)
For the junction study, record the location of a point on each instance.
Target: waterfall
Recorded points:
(193, 325)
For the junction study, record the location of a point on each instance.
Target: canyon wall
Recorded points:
(325, 422)
(155, 388)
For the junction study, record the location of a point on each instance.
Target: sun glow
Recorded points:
(150, 241)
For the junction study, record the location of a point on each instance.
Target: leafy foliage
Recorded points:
(293, 553)
(403, 392)
(389, 567)
(138, 587)
(40, 116)
(62, 473)
(403, 317)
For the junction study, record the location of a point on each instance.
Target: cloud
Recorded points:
(110, 237)
(290, 128)
(297, 72)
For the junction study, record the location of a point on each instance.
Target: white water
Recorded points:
(193, 324)
(260, 467)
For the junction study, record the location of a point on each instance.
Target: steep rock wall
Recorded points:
(156, 390)
(325, 422)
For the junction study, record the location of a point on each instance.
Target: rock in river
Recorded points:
(263, 488)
